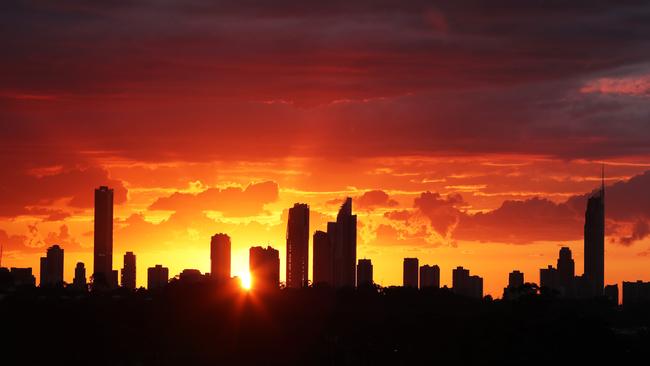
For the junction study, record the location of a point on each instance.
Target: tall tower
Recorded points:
(410, 273)
(364, 273)
(343, 237)
(323, 264)
(128, 272)
(52, 267)
(220, 248)
(594, 240)
(264, 266)
(103, 248)
(298, 246)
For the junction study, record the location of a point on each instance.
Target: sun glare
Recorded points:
(245, 280)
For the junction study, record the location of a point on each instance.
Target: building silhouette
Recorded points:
(611, 293)
(220, 249)
(323, 259)
(79, 281)
(594, 241)
(429, 276)
(466, 285)
(635, 293)
(298, 246)
(103, 239)
(343, 240)
(548, 277)
(364, 273)
(128, 272)
(157, 277)
(566, 272)
(515, 279)
(52, 267)
(190, 276)
(264, 267)
(410, 270)
(515, 285)
(22, 277)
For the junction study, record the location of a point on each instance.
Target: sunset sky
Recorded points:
(467, 132)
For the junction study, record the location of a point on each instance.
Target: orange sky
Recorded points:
(467, 135)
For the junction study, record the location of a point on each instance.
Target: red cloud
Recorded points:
(374, 199)
(231, 201)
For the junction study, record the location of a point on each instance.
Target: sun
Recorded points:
(245, 280)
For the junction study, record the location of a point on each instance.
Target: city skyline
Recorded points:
(465, 133)
(333, 252)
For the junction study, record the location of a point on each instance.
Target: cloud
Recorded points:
(370, 200)
(24, 192)
(640, 231)
(636, 86)
(230, 201)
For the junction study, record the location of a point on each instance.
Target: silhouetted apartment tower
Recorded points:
(635, 293)
(410, 272)
(220, 249)
(264, 267)
(22, 277)
(466, 285)
(364, 273)
(565, 271)
(157, 277)
(429, 276)
(128, 272)
(52, 267)
(548, 277)
(79, 280)
(594, 241)
(323, 259)
(515, 279)
(343, 239)
(298, 246)
(611, 293)
(103, 241)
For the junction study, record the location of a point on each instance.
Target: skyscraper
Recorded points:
(343, 238)
(410, 272)
(79, 280)
(298, 246)
(323, 263)
(220, 249)
(594, 241)
(364, 273)
(128, 272)
(515, 279)
(429, 276)
(103, 246)
(565, 271)
(264, 267)
(52, 267)
(548, 277)
(157, 277)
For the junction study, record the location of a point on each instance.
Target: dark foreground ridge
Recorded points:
(206, 324)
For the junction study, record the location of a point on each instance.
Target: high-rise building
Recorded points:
(22, 277)
(611, 293)
(460, 281)
(103, 241)
(635, 293)
(515, 279)
(565, 271)
(364, 273)
(79, 280)
(264, 267)
(429, 276)
(323, 262)
(298, 246)
(220, 249)
(410, 272)
(476, 287)
(343, 238)
(548, 277)
(128, 272)
(52, 267)
(157, 277)
(594, 241)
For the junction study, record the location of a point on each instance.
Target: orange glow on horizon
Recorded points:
(245, 280)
